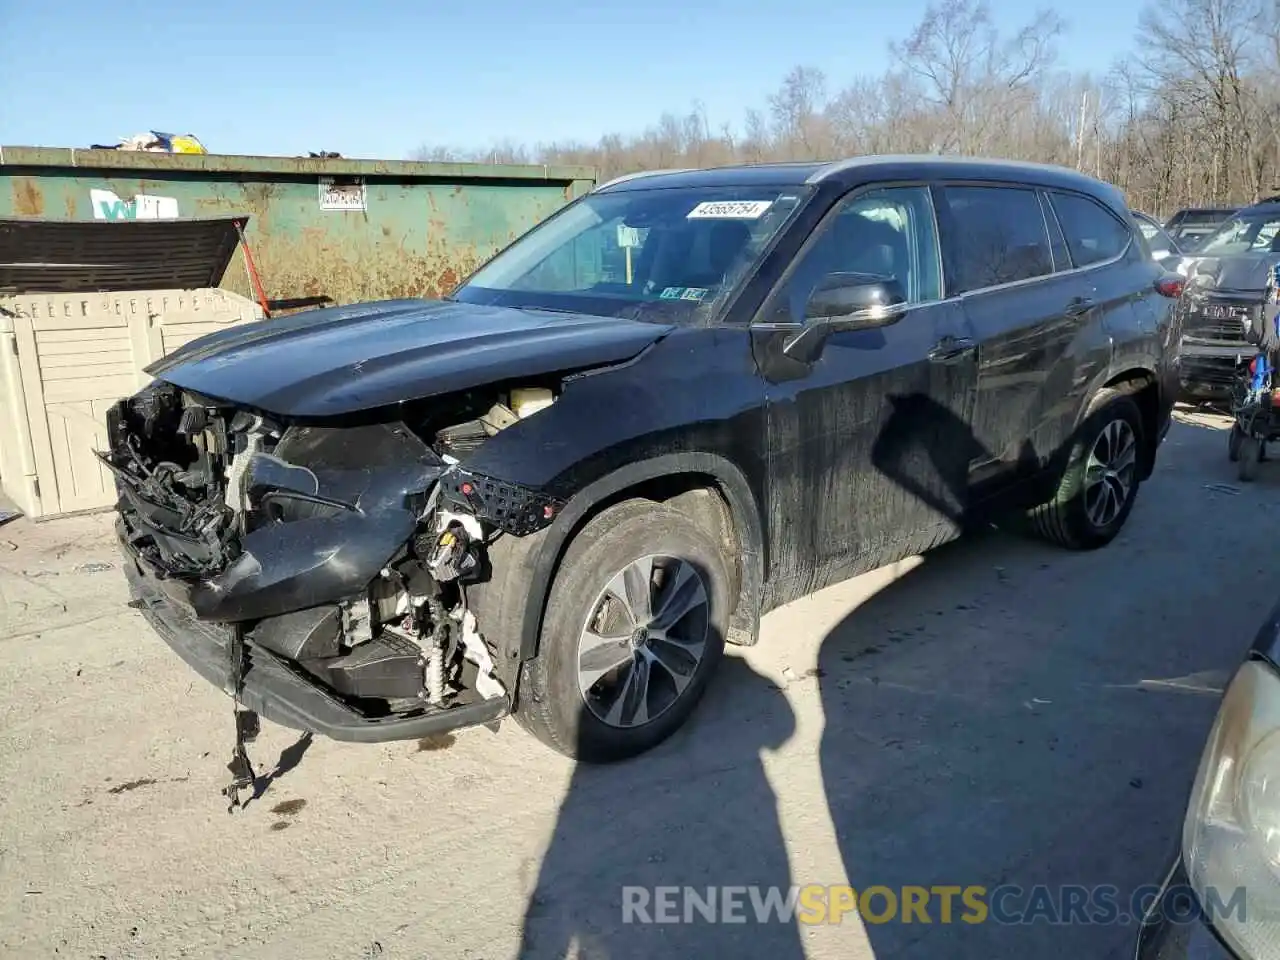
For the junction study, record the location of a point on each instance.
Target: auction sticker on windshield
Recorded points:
(730, 210)
(683, 293)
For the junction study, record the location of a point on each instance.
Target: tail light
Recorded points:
(1171, 285)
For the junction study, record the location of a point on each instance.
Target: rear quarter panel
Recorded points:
(1143, 337)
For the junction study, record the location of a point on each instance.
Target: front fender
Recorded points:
(510, 605)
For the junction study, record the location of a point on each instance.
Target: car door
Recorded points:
(1005, 256)
(867, 442)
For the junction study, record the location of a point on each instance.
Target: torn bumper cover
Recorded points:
(277, 689)
(316, 574)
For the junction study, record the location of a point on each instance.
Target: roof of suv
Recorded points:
(856, 169)
(1269, 205)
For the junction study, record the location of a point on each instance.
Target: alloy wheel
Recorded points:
(1109, 474)
(643, 640)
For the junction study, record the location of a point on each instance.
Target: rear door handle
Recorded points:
(950, 348)
(1079, 305)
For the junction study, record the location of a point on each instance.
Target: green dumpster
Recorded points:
(336, 229)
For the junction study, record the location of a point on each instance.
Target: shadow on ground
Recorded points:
(986, 723)
(697, 811)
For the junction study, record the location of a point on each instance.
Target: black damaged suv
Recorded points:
(683, 400)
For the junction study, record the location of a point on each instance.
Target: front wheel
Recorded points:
(1098, 486)
(634, 628)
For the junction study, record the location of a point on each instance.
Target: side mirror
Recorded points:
(846, 301)
(856, 301)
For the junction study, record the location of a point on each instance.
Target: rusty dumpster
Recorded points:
(345, 230)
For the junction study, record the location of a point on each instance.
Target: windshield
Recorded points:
(1244, 233)
(667, 254)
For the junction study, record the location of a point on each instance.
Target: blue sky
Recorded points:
(378, 78)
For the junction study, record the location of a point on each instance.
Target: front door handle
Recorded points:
(951, 348)
(1079, 305)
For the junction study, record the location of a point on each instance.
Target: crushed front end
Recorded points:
(1214, 346)
(317, 573)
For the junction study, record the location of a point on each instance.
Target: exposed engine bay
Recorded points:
(346, 551)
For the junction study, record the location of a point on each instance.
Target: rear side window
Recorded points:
(995, 235)
(1093, 233)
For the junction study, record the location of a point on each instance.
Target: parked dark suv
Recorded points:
(1226, 280)
(681, 401)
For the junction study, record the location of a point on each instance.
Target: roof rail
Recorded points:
(638, 174)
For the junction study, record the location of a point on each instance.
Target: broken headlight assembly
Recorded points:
(325, 471)
(1231, 835)
(470, 506)
(456, 441)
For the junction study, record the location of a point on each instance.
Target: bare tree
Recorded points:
(1200, 51)
(796, 109)
(972, 76)
(1192, 118)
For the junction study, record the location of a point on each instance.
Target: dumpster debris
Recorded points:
(153, 141)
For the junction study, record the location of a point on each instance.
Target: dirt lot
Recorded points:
(1000, 712)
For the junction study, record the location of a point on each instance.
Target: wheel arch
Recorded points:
(1142, 384)
(514, 601)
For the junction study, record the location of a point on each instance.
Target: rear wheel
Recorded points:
(1097, 489)
(634, 628)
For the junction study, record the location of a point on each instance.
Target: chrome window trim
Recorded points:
(1041, 278)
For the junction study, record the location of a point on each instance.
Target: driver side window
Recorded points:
(888, 232)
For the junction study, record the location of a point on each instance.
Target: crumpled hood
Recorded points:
(1241, 273)
(346, 359)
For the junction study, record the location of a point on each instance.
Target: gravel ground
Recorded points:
(1000, 712)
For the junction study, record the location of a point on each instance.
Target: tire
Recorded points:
(1233, 442)
(1066, 518)
(1250, 457)
(552, 705)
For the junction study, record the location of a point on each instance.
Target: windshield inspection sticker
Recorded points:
(729, 210)
(684, 293)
